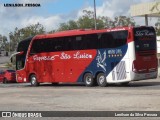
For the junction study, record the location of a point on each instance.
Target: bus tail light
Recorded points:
(133, 67)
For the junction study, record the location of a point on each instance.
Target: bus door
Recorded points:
(36, 67)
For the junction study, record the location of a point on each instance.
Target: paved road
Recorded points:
(4, 59)
(138, 96)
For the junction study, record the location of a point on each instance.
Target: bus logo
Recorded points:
(101, 58)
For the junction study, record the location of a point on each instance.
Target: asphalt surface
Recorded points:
(138, 96)
(4, 59)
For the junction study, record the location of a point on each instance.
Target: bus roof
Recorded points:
(82, 32)
(27, 39)
(78, 32)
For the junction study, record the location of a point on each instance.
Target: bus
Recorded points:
(93, 57)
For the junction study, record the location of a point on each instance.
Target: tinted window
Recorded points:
(145, 38)
(90, 41)
(22, 46)
(47, 45)
(113, 39)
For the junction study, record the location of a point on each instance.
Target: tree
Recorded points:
(4, 44)
(68, 26)
(86, 21)
(20, 34)
(52, 31)
(123, 21)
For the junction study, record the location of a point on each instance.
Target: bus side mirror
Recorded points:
(14, 54)
(20, 53)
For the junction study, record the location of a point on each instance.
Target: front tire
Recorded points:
(33, 80)
(88, 80)
(101, 80)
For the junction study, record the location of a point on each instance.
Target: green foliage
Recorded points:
(87, 22)
(20, 34)
(68, 26)
(4, 44)
(124, 21)
(52, 31)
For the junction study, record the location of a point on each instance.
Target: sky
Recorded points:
(53, 12)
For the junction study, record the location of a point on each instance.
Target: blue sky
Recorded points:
(53, 12)
(49, 7)
(66, 6)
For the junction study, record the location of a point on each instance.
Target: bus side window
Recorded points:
(58, 44)
(92, 41)
(107, 41)
(66, 44)
(32, 52)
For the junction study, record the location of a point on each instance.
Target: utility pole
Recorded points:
(9, 40)
(95, 17)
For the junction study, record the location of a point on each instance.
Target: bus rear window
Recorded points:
(145, 38)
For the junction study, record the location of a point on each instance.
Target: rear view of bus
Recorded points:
(145, 64)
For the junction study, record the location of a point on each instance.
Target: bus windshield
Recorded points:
(20, 58)
(145, 38)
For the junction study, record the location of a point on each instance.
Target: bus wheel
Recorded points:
(5, 81)
(101, 80)
(33, 80)
(88, 80)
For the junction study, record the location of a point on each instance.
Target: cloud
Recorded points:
(12, 17)
(49, 23)
(21, 17)
(113, 8)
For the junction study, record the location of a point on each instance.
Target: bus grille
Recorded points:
(146, 53)
(119, 70)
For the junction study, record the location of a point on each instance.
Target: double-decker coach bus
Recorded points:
(117, 55)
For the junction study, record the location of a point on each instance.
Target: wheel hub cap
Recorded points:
(88, 80)
(101, 79)
(33, 80)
